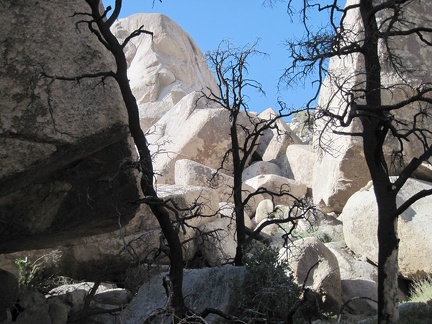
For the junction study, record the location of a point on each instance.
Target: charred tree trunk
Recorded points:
(237, 190)
(175, 251)
(375, 129)
(388, 242)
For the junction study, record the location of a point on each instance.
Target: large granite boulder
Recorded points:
(205, 288)
(217, 241)
(260, 167)
(191, 173)
(315, 266)
(301, 160)
(195, 130)
(192, 205)
(290, 189)
(341, 169)
(163, 68)
(9, 295)
(63, 142)
(359, 280)
(275, 140)
(360, 219)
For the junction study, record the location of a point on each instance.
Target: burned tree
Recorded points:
(230, 65)
(374, 109)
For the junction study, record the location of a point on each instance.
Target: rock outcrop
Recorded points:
(342, 161)
(210, 287)
(360, 219)
(163, 68)
(9, 295)
(62, 142)
(310, 256)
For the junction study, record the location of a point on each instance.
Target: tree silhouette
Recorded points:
(230, 65)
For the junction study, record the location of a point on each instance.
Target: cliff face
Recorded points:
(341, 169)
(61, 142)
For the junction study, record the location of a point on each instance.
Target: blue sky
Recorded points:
(242, 22)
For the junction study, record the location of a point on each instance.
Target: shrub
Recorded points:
(421, 290)
(268, 292)
(40, 273)
(29, 272)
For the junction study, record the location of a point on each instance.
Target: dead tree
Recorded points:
(370, 108)
(99, 23)
(230, 65)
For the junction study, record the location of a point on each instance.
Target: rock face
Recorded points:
(275, 141)
(210, 287)
(341, 169)
(9, 295)
(324, 277)
(278, 184)
(163, 68)
(61, 142)
(168, 74)
(360, 226)
(92, 254)
(301, 160)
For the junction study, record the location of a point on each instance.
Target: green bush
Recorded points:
(421, 290)
(268, 292)
(29, 272)
(40, 274)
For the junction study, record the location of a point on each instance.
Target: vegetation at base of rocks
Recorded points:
(421, 291)
(39, 275)
(28, 271)
(268, 292)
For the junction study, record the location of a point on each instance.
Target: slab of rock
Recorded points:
(9, 295)
(363, 295)
(227, 210)
(194, 199)
(191, 130)
(75, 294)
(301, 160)
(359, 279)
(217, 241)
(324, 278)
(265, 207)
(350, 265)
(278, 184)
(273, 144)
(208, 287)
(260, 168)
(360, 217)
(191, 173)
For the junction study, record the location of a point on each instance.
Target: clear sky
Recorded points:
(242, 22)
